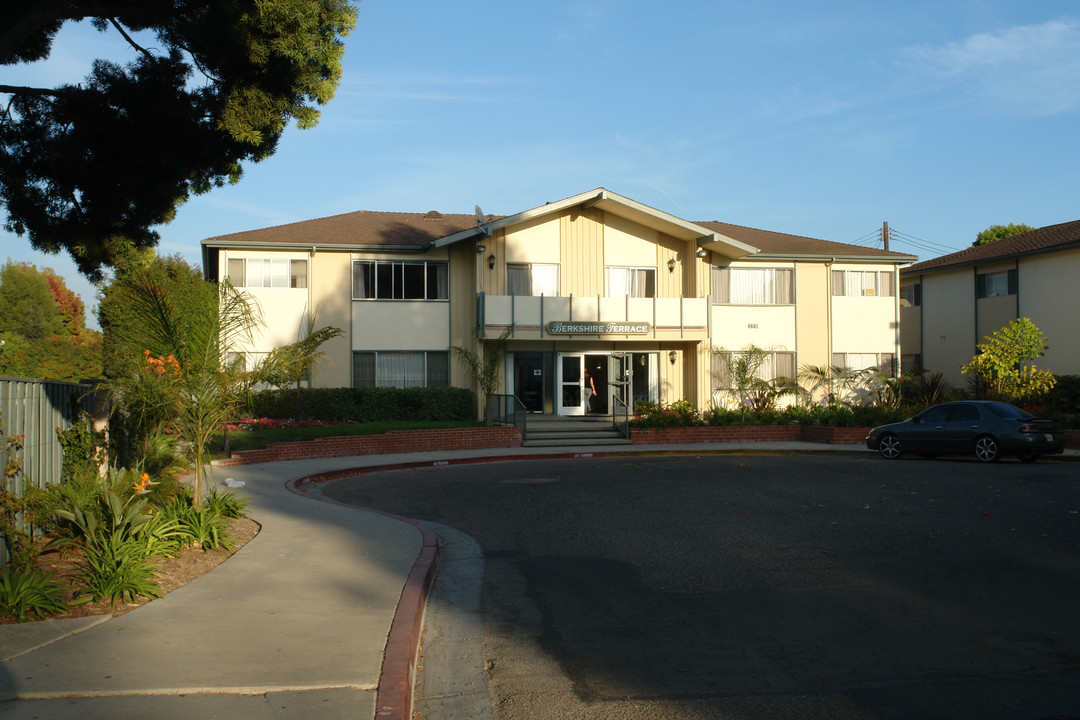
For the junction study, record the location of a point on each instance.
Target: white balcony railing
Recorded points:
(533, 316)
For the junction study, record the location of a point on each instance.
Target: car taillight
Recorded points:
(1029, 429)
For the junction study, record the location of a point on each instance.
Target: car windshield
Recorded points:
(1010, 412)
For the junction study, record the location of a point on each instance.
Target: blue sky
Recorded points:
(816, 119)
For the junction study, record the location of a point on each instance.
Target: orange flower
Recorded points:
(143, 485)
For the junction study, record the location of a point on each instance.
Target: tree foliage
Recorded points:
(1000, 232)
(483, 362)
(43, 330)
(1002, 367)
(92, 168)
(26, 303)
(118, 309)
(181, 378)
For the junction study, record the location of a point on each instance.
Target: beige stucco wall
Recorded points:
(464, 264)
(948, 332)
(812, 314)
(770, 327)
(281, 310)
(911, 330)
(330, 283)
(1050, 295)
(993, 314)
(866, 324)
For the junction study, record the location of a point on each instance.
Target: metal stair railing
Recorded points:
(509, 410)
(620, 417)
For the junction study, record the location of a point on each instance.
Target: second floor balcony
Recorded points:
(613, 318)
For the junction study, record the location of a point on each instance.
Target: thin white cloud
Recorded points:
(1028, 69)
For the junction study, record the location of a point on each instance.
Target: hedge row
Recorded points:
(367, 404)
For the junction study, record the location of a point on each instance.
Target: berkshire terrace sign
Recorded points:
(562, 327)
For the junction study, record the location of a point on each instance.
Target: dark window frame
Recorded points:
(405, 280)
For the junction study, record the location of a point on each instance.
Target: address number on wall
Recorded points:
(752, 326)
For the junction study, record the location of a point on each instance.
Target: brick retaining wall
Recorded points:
(747, 433)
(412, 441)
(400, 441)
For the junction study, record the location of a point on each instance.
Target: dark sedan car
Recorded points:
(987, 429)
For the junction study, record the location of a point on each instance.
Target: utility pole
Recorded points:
(885, 234)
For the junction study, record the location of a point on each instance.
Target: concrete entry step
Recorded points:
(573, 432)
(576, 441)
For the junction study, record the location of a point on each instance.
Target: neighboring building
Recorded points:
(952, 303)
(596, 283)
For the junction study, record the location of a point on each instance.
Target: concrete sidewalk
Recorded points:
(295, 625)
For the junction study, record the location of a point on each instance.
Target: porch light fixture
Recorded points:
(671, 265)
(702, 252)
(481, 248)
(491, 262)
(672, 355)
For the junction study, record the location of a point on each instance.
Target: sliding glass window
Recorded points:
(400, 280)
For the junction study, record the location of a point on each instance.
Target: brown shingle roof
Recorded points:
(417, 230)
(363, 228)
(1051, 237)
(774, 243)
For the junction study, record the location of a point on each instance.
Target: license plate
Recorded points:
(1049, 437)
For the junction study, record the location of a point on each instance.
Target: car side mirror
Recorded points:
(916, 420)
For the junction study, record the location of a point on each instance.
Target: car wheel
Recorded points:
(986, 449)
(889, 447)
(1028, 457)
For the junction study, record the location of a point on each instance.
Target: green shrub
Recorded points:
(204, 526)
(368, 404)
(116, 569)
(226, 504)
(27, 592)
(679, 414)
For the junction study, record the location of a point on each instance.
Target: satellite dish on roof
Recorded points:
(480, 219)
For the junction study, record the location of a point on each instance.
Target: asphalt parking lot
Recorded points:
(766, 587)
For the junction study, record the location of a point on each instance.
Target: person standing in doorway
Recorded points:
(590, 390)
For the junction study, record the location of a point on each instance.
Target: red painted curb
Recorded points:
(394, 697)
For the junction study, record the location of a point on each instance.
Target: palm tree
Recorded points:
(833, 381)
(740, 372)
(196, 341)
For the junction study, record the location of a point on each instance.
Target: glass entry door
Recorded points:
(570, 385)
(620, 375)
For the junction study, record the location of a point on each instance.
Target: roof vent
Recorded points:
(433, 215)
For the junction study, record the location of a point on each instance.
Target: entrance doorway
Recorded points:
(529, 380)
(579, 383)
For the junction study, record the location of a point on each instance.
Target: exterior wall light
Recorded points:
(702, 252)
(672, 356)
(491, 262)
(481, 248)
(671, 265)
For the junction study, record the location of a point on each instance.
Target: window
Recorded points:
(911, 295)
(262, 272)
(753, 286)
(635, 282)
(866, 283)
(936, 414)
(401, 369)
(776, 365)
(400, 280)
(882, 362)
(298, 273)
(996, 284)
(532, 279)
